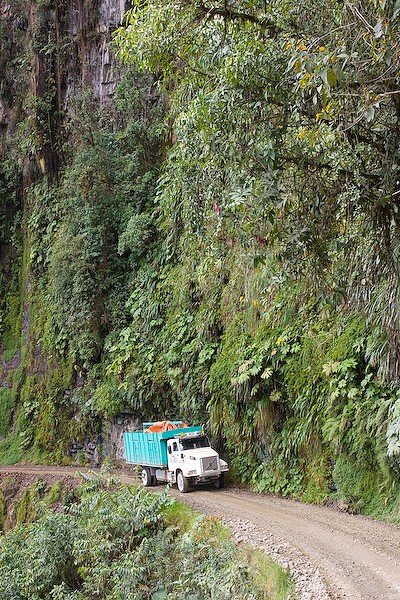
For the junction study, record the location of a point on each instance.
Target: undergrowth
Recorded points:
(123, 542)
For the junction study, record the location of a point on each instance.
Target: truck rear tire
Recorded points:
(146, 477)
(182, 483)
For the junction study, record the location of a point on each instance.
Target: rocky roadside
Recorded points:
(309, 584)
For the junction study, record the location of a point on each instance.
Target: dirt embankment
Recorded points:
(329, 553)
(19, 493)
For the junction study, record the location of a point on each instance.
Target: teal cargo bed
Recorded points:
(150, 449)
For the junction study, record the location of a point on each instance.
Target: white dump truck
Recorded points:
(180, 455)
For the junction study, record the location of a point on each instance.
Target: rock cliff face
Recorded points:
(91, 63)
(51, 53)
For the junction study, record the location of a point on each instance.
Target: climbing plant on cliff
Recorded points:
(279, 197)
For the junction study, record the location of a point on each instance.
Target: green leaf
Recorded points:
(331, 77)
(160, 595)
(328, 76)
(324, 75)
(266, 374)
(378, 29)
(369, 114)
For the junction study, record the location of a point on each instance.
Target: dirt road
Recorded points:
(359, 558)
(354, 556)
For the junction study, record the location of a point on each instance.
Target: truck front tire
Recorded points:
(219, 483)
(182, 483)
(146, 477)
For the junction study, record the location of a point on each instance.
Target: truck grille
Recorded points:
(210, 463)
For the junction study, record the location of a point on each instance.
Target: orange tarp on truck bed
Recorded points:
(162, 426)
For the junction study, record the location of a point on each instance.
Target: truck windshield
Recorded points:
(196, 442)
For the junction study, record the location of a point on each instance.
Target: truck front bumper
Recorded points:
(199, 479)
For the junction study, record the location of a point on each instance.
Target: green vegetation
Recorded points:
(222, 246)
(267, 576)
(123, 542)
(6, 403)
(27, 506)
(10, 450)
(280, 221)
(22, 502)
(3, 510)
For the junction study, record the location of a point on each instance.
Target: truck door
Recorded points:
(173, 454)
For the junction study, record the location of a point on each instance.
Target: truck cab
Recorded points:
(192, 461)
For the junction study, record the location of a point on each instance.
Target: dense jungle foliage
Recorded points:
(225, 249)
(121, 543)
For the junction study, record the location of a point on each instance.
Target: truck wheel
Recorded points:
(182, 483)
(219, 483)
(146, 477)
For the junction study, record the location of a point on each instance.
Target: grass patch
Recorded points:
(316, 480)
(54, 494)
(3, 510)
(26, 507)
(7, 400)
(10, 451)
(11, 338)
(180, 515)
(270, 580)
(369, 491)
(185, 519)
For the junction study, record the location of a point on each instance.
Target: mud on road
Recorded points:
(331, 555)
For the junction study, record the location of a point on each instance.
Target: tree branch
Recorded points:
(233, 15)
(316, 164)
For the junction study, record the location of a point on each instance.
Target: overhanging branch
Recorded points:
(230, 14)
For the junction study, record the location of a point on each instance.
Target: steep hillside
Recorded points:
(206, 228)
